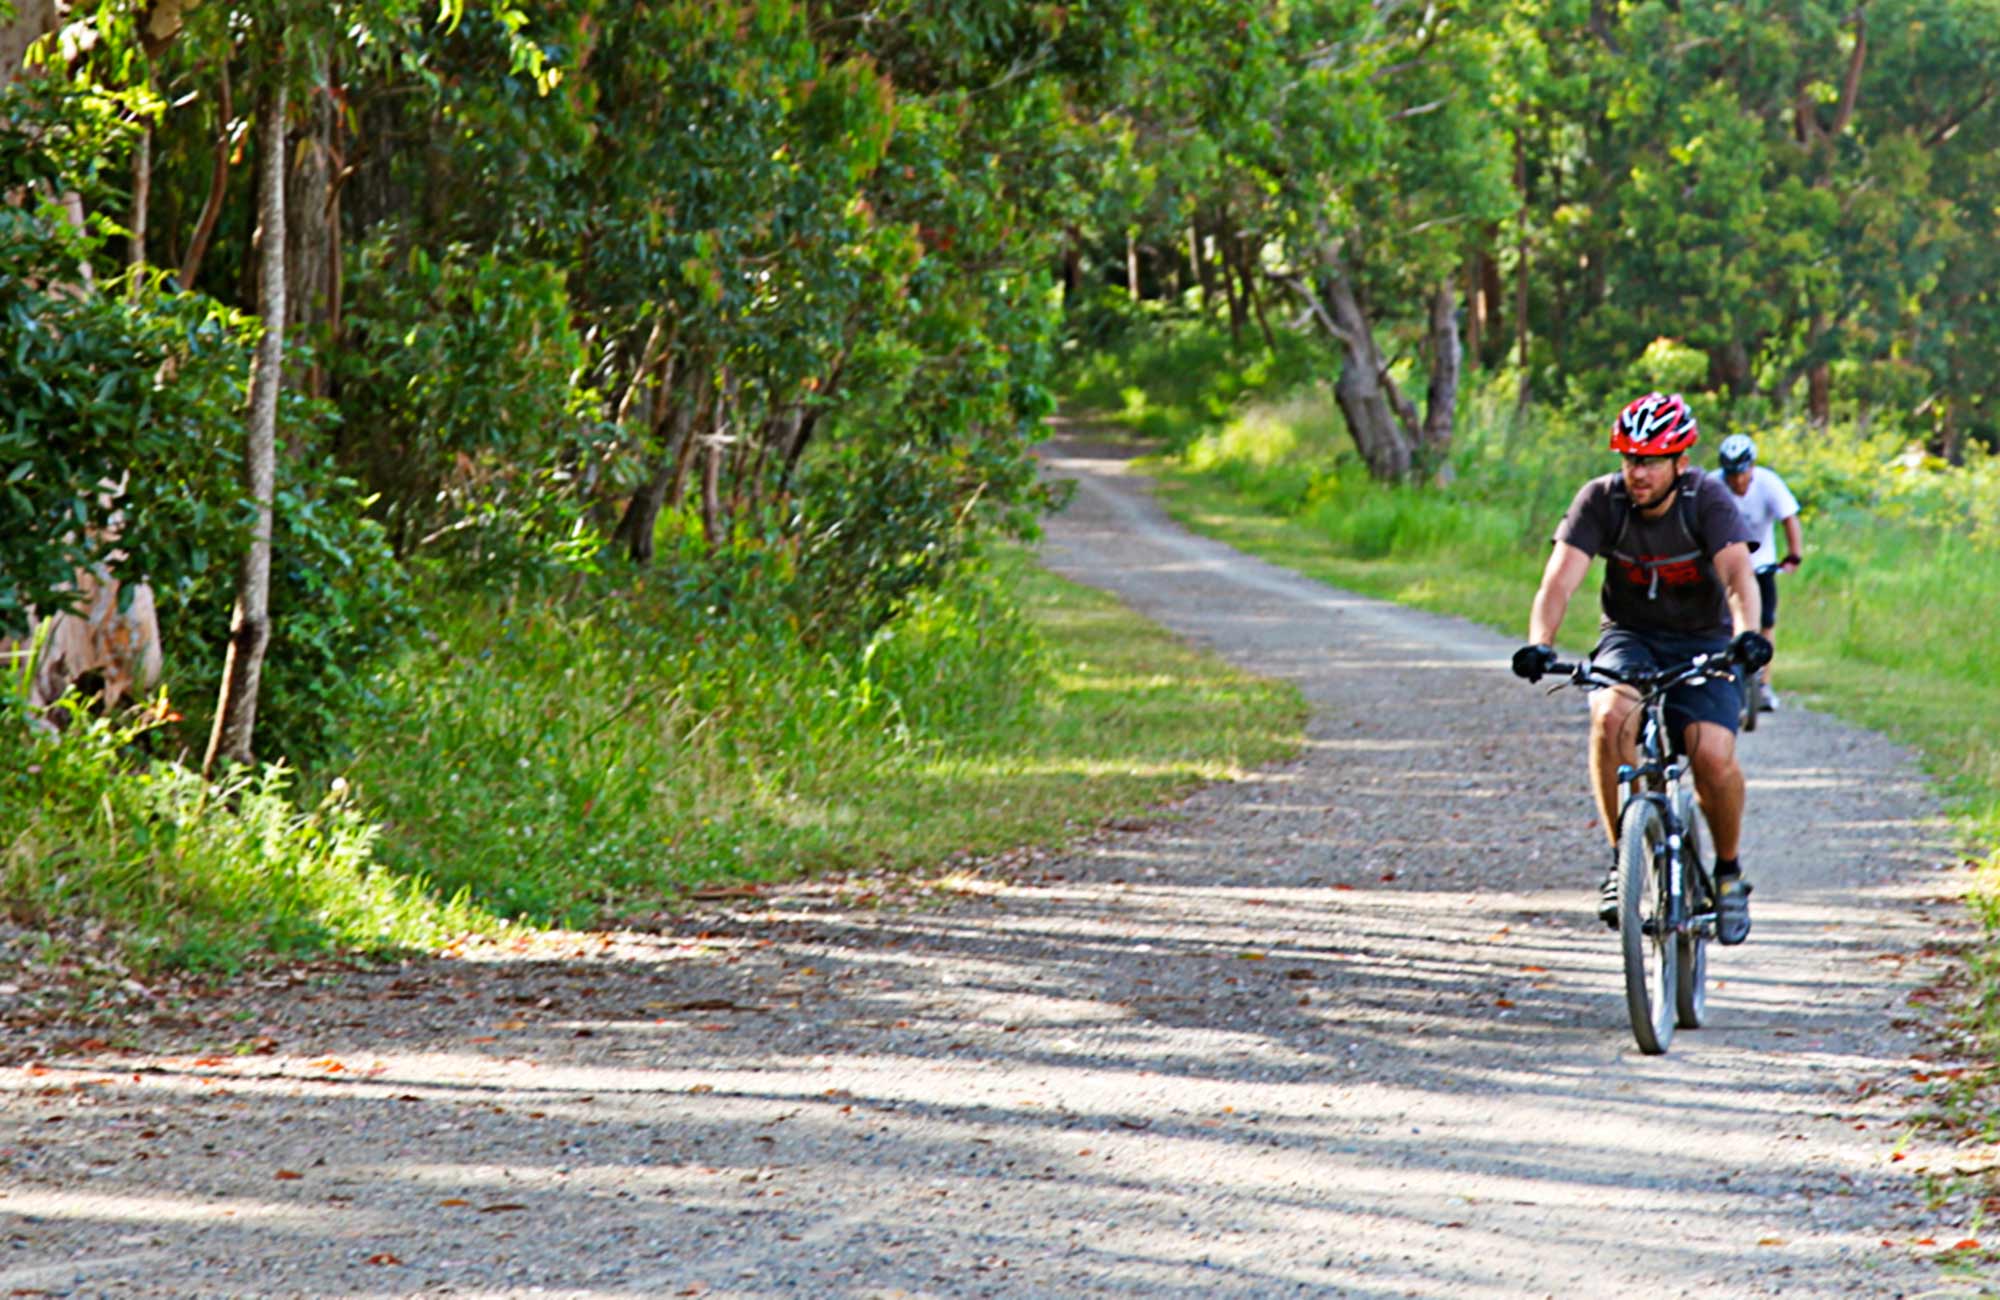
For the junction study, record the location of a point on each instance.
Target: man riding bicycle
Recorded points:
(1678, 582)
(1764, 501)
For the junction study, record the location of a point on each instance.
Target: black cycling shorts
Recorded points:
(1767, 587)
(1624, 649)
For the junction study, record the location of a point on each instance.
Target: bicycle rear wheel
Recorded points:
(1691, 984)
(1651, 949)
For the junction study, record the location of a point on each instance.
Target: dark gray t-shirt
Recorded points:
(1659, 574)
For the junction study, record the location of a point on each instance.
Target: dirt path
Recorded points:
(1347, 1028)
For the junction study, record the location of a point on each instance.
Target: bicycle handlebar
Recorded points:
(1650, 680)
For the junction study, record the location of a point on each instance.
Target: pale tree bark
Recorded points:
(142, 197)
(1523, 389)
(1367, 396)
(32, 20)
(250, 625)
(308, 209)
(714, 525)
(1447, 358)
(1394, 438)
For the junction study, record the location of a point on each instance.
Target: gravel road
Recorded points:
(1345, 1028)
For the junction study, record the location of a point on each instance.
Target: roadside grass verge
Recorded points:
(174, 872)
(562, 769)
(541, 765)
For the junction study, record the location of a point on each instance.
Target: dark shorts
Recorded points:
(1767, 587)
(1715, 700)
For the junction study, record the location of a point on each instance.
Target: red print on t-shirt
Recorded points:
(1672, 573)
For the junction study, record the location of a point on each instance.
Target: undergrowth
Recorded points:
(559, 766)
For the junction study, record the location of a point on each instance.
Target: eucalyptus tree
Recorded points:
(1360, 147)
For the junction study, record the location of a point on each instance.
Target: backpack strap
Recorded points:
(1621, 513)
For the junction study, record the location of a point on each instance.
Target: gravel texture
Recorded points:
(1347, 1027)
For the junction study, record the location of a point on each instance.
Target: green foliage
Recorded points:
(101, 384)
(458, 410)
(190, 874)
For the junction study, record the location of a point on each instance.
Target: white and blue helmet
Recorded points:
(1737, 453)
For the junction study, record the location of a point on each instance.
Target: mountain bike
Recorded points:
(1752, 684)
(1666, 894)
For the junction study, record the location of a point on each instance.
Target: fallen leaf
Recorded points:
(1925, 1241)
(1250, 956)
(289, 1173)
(1503, 1002)
(454, 1200)
(1770, 1241)
(1534, 970)
(384, 1258)
(504, 1205)
(1970, 1243)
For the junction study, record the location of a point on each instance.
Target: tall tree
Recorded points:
(250, 624)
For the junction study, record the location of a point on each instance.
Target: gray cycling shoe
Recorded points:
(1732, 908)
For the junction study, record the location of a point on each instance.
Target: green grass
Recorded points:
(557, 763)
(190, 874)
(561, 767)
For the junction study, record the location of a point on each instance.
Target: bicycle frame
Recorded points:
(1658, 775)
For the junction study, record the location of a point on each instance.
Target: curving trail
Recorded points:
(1345, 1028)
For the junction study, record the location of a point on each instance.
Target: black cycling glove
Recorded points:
(1751, 649)
(1531, 661)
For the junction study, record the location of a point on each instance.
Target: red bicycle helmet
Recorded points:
(1655, 425)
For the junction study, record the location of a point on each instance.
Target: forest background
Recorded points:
(581, 452)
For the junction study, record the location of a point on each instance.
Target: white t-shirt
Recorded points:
(1767, 502)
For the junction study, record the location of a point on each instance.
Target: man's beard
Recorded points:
(1660, 497)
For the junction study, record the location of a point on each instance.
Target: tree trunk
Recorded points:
(1132, 266)
(308, 243)
(1950, 440)
(1521, 272)
(250, 625)
(142, 199)
(1375, 411)
(31, 20)
(1201, 269)
(1247, 278)
(677, 417)
(716, 448)
(1819, 376)
(1232, 288)
(1475, 310)
(1729, 367)
(1441, 402)
(218, 183)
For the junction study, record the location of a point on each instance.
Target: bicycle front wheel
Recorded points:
(1752, 691)
(1652, 955)
(1691, 986)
